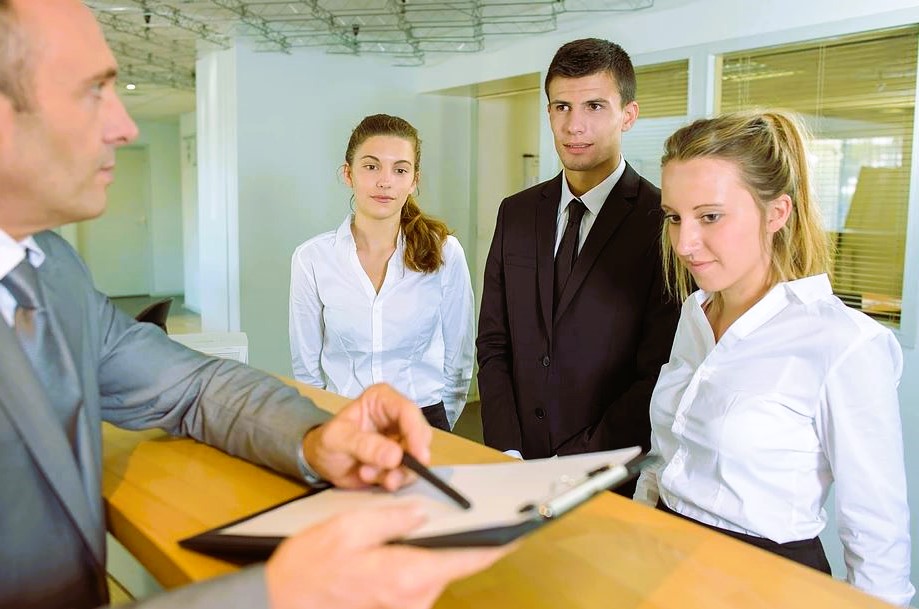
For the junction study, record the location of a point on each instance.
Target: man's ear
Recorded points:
(629, 115)
(777, 213)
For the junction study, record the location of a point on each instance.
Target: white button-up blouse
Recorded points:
(751, 431)
(416, 334)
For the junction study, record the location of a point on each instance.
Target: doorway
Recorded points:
(506, 160)
(116, 246)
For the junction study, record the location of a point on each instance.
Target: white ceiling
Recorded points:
(157, 102)
(156, 40)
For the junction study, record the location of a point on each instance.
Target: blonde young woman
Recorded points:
(775, 391)
(387, 296)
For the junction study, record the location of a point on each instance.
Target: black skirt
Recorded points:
(808, 552)
(436, 415)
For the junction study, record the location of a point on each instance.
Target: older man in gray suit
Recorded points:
(69, 360)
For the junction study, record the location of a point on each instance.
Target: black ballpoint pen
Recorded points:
(413, 464)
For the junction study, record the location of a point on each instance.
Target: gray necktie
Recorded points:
(44, 348)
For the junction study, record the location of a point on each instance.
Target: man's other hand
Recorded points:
(344, 563)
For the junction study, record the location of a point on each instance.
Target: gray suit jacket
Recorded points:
(52, 529)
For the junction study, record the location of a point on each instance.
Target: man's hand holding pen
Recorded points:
(366, 443)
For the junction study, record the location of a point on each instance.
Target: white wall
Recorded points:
(162, 141)
(188, 130)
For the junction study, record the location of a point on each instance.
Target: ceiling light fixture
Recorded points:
(162, 38)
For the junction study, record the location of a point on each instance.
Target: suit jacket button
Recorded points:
(545, 361)
(540, 413)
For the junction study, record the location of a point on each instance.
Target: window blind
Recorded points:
(663, 92)
(663, 89)
(857, 95)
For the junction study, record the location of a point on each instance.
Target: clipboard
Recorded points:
(509, 500)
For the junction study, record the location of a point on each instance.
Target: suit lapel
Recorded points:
(63, 306)
(546, 224)
(616, 208)
(66, 314)
(26, 404)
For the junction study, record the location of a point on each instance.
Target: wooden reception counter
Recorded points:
(611, 552)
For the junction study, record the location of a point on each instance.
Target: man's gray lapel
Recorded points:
(68, 317)
(26, 404)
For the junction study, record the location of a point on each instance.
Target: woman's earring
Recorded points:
(351, 203)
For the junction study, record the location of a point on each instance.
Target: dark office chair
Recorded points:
(156, 313)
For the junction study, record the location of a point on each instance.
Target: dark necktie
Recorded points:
(45, 350)
(568, 248)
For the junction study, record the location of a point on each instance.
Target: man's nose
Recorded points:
(575, 123)
(120, 128)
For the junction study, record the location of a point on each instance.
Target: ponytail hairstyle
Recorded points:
(424, 235)
(769, 149)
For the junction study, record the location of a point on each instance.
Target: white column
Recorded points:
(189, 177)
(218, 185)
(703, 87)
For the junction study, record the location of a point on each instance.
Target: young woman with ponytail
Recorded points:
(775, 390)
(387, 296)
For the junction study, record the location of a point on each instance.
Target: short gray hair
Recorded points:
(14, 58)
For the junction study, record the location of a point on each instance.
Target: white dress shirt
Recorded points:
(593, 200)
(750, 432)
(11, 254)
(417, 334)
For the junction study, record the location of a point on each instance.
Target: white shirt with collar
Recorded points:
(417, 334)
(593, 200)
(11, 254)
(750, 432)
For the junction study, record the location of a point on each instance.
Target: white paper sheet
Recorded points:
(497, 492)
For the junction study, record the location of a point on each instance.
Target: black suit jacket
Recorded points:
(579, 378)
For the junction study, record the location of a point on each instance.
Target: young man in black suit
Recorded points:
(575, 323)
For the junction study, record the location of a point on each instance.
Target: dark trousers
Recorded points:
(436, 415)
(808, 552)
